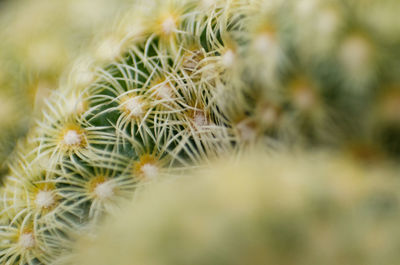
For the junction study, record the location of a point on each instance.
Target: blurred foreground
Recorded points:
(263, 209)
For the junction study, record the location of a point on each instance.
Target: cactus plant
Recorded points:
(256, 210)
(142, 104)
(178, 82)
(39, 40)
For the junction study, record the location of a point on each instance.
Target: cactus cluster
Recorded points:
(39, 39)
(143, 104)
(179, 82)
(320, 210)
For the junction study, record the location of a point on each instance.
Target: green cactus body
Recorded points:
(39, 40)
(143, 105)
(257, 210)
